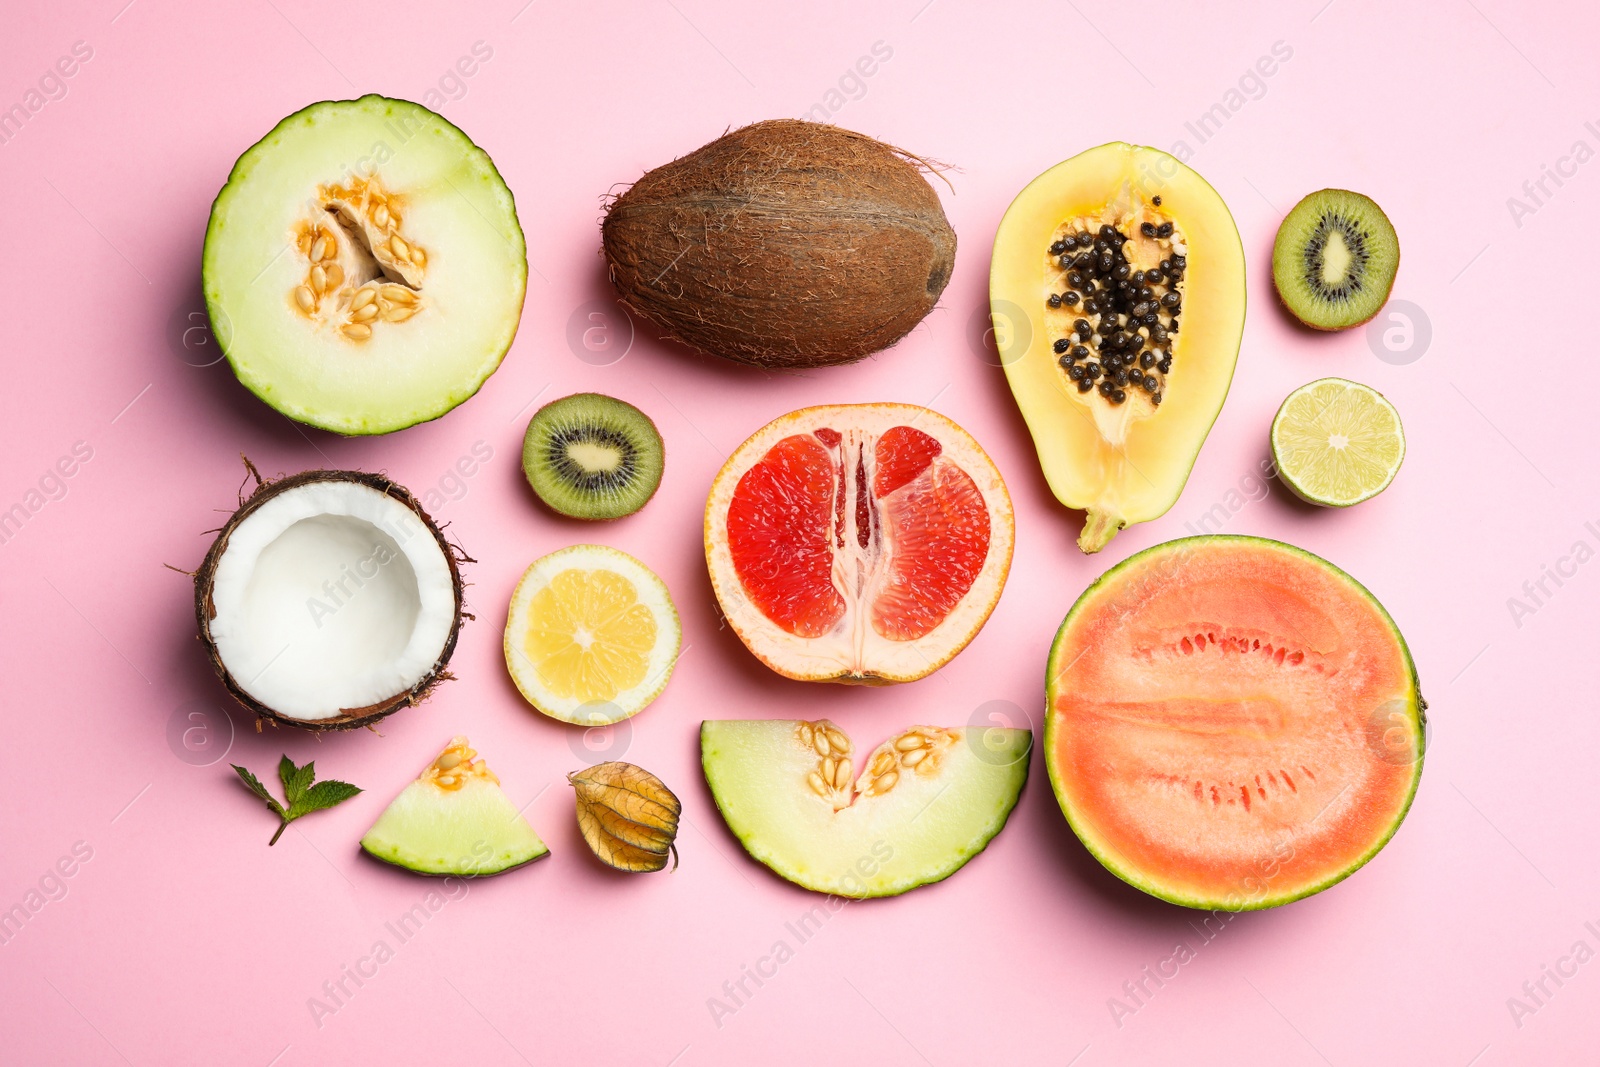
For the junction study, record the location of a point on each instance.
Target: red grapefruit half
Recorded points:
(1232, 722)
(858, 542)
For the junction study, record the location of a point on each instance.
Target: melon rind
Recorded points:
(1412, 705)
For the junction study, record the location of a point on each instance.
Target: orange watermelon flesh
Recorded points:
(1233, 723)
(920, 524)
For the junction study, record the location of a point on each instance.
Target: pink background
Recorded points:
(185, 940)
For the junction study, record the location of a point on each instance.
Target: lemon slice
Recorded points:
(1337, 442)
(592, 635)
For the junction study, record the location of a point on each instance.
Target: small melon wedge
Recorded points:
(913, 811)
(454, 820)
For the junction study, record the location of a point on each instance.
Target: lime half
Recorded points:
(1337, 442)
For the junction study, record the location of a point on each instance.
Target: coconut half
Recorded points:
(329, 600)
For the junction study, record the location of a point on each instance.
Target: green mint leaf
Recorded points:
(295, 779)
(322, 796)
(254, 785)
(304, 797)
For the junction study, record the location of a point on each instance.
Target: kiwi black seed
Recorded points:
(1335, 259)
(592, 456)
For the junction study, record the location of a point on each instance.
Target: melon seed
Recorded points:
(841, 777)
(357, 272)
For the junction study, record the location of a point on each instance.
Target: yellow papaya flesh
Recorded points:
(1119, 349)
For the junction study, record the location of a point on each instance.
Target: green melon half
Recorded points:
(1233, 723)
(803, 801)
(448, 297)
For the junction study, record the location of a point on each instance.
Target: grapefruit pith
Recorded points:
(858, 542)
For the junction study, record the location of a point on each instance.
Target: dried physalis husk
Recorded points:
(628, 817)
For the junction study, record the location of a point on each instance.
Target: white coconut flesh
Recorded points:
(331, 597)
(364, 266)
(805, 802)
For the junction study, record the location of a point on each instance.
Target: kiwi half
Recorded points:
(1335, 259)
(592, 456)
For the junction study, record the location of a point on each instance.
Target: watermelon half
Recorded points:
(1233, 723)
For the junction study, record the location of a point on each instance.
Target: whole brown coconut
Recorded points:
(786, 244)
(430, 673)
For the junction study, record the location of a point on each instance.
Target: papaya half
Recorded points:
(1117, 294)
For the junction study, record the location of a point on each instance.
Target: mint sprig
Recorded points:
(300, 788)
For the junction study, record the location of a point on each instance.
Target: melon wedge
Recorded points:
(1232, 723)
(913, 811)
(454, 820)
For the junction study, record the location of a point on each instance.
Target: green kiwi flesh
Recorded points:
(592, 456)
(1335, 259)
